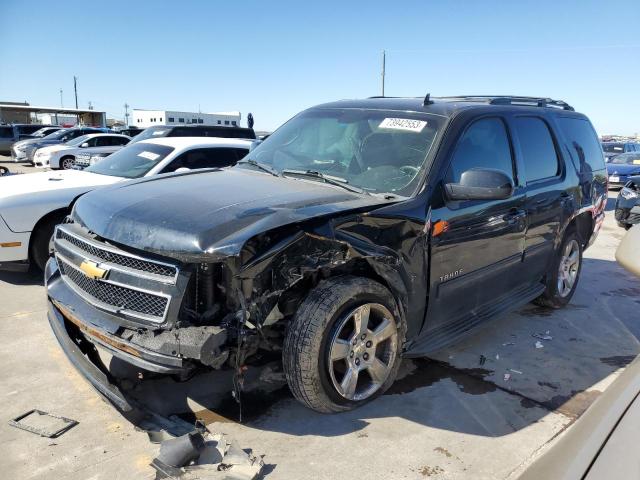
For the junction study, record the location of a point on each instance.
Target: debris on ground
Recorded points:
(43, 423)
(539, 344)
(202, 455)
(482, 360)
(543, 336)
(508, 344)
(497, 356)
(515, 371)
(507, 377)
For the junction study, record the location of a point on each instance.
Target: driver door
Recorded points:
(477, 245)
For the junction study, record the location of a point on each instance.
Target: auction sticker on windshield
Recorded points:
(148, 155)
(403, 124)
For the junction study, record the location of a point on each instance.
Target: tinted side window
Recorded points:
(6, 132)
(538, 150)
(241, 152)
(484, 144)
(204, 158)
(583, 143)
(117, 141)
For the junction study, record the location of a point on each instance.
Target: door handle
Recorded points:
(515, 215)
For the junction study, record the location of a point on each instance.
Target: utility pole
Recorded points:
(384, 58)
(75, 89)
(61, 102)
(126, 114)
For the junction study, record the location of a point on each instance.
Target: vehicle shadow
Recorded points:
(498, 380)
(22, 278)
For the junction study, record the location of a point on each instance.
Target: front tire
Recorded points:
(67, 163)
(343, 345)
(42, 243)
(564, 273)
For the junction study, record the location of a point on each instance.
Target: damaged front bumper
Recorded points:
(81, 328)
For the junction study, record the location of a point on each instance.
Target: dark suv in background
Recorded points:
(194, 131)
(357, 233)
(612, 149)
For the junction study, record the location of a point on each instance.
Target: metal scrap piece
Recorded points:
(65, 424)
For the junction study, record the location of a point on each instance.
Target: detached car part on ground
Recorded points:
(358, 232)
(32, 204)
(628, 204)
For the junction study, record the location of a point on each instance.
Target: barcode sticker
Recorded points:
(148, 155)
(403, 124)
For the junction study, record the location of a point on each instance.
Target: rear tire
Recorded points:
(342, 320)
(41, 245)
(564, 273)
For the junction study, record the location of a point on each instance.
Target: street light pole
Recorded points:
(75, 89)
(384, 58)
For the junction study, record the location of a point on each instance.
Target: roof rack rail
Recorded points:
(513, 100)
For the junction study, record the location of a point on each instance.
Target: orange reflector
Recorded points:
(10, 244)
(439, 227)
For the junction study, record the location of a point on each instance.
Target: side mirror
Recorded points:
(84, 145)
(481, 184)
(182, 170)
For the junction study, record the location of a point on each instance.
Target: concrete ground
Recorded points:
(481, 408)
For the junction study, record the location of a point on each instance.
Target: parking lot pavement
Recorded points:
(454, 415)
(17, 167)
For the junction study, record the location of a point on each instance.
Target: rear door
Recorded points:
(546, 192)
(476, 246)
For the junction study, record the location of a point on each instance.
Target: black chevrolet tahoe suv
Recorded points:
(358, 233)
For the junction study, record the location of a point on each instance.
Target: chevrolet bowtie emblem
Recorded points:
(93, 270)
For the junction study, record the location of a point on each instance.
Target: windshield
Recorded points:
(40, 133)
(57, 135)
(627, 159)
(152, 132)
(78, 141)
(376, 150)
(613, 147)
(133, 161)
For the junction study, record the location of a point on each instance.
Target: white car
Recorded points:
(64, 155)
(31, 205)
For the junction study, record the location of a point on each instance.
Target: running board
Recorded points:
(461, 327)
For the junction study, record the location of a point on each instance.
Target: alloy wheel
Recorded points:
(568, 269)
(362, 351)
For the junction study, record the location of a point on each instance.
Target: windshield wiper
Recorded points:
(260, 166)
(330, 179)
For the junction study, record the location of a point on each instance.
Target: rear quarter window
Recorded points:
(582, 142)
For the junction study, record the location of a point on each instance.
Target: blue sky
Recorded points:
(277, 58)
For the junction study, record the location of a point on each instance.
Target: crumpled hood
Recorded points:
(208, 215)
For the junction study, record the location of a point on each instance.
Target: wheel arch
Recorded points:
(583, 224)
(60, 159)
(45, 218)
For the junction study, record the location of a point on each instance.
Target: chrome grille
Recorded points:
(115, 297)
(126, 261)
